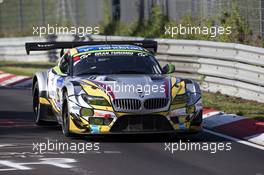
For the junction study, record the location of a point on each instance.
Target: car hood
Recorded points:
(132, 86)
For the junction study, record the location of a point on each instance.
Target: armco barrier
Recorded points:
(232, 69)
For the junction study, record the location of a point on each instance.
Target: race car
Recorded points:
(102, 87)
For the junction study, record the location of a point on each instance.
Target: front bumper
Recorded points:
(136, 123)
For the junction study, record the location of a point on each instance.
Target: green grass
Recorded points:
(24, 68)
(214, 100)
(234, 105)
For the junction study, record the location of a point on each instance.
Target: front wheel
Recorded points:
(39, 109)
(66, 118)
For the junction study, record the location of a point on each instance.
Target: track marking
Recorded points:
(16, 147)
(257, 138)
(6, 145)
(14, 80)
(57, 162)
(221, 119)
(235, 139)
(5, 77)
(13, 166)
(112, 152)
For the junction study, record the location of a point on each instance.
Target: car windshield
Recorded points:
(116, 65)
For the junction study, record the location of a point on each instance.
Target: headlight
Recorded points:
(86, 112)
(189, 98)
(180, 99)
(194, 93)
(93, 100)
(193, 98)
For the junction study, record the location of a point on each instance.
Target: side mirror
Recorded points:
(64, 68)
(61, 52)
(64, 64)
(168, 69)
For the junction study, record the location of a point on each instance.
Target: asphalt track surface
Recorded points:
(118, 154)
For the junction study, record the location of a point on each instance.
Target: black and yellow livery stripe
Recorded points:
(178, 91)
(94, 90)
(47, 101)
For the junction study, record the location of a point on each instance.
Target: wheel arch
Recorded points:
(42, 79)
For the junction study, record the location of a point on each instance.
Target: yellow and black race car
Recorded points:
(113, 87)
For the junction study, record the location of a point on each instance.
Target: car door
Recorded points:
(56, 80)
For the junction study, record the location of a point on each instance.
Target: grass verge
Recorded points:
(24, 68)
(234, 105)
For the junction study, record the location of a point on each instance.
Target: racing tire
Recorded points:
(40, 110)
(66, 117)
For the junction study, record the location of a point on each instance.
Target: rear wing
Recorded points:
(41, 46)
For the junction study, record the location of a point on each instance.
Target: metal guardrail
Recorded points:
(232, 69)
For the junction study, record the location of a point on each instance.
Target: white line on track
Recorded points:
(257, 138)
(6, 145)
(112, 152)
(16, 147)
(235, 139)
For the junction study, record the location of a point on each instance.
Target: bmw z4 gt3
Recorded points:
(114, 87)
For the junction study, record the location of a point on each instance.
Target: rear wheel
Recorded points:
(39, 109)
